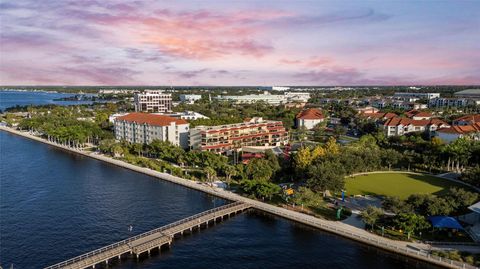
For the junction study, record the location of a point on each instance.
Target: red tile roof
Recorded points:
(461, 129)
(423, 114)
(406, 121)
(390, 115)
(151, 119)
(411, 113)
(417, 113)
(470, 118)
(379, 115)
(310, 114)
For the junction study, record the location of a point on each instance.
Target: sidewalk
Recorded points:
(342, 229)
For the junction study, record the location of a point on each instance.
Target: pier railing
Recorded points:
(379, 242)
(422, 255)
(133, 238)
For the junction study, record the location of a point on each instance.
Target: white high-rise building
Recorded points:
(153, 101)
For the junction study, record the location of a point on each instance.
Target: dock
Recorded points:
(144, 243)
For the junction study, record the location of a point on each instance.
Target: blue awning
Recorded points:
(445, 222)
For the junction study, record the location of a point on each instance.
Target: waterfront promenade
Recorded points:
(342, 229)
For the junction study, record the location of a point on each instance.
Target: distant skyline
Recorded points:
(239, 42)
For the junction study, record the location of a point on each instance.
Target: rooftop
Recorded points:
(471, 118)
(248, 123)
(461, 129)
(310, 114)
(151, 119)
(406, 121)
(469, 92)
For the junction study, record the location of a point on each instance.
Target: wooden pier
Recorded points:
(144, 243)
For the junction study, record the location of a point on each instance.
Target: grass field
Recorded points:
(398, 184)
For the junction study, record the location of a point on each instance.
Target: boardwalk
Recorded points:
(341, 229)
(154, 239)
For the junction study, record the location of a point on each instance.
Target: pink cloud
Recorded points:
(311, 62)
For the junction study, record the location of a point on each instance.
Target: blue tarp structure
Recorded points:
(445, 222)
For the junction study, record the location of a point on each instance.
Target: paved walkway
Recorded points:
(355, 221)
(336, 227)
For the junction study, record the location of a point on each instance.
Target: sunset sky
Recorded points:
(272, 42)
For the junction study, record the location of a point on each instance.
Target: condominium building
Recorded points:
(153, 101)
(399, 126)
(144, 128)
(448, 102)
(273, 99)
(458, 131)
(226, 138)
(267, 97)
(467, 120)
(420, 95)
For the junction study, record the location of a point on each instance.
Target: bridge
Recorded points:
(146, 242)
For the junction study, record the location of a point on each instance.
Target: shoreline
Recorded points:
(335, 227)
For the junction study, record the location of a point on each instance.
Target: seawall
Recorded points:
(339, 228)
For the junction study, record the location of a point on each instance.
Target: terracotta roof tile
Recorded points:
(461, 129)
(406, 121)
(151, 119)
(472, 118)
(310, 114)
(423, 114)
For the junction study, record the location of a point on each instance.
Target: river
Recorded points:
(25, 98)
(55, 205)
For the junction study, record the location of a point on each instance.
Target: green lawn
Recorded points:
(398, 184)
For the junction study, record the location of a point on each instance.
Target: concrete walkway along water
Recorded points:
(339, 228)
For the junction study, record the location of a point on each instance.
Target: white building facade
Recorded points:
(144, 128)
(309, 118)
(448, 102)
(420, 95)
(153, 101)
(190, 98)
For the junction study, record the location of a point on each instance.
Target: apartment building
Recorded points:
(448, 102)
(458, 131)
(153, 101)
(398, 126)
(467, 120)
(420, 95)
(267, 97)
(226, 138)
(144, 128)
(418, 115)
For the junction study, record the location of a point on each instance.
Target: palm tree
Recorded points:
(211, 173)
(229, 172)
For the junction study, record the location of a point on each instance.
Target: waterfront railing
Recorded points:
(145, 234)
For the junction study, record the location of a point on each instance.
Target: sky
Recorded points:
(269, 42)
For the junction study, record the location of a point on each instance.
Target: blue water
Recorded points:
(55, 205)
(13, 98)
